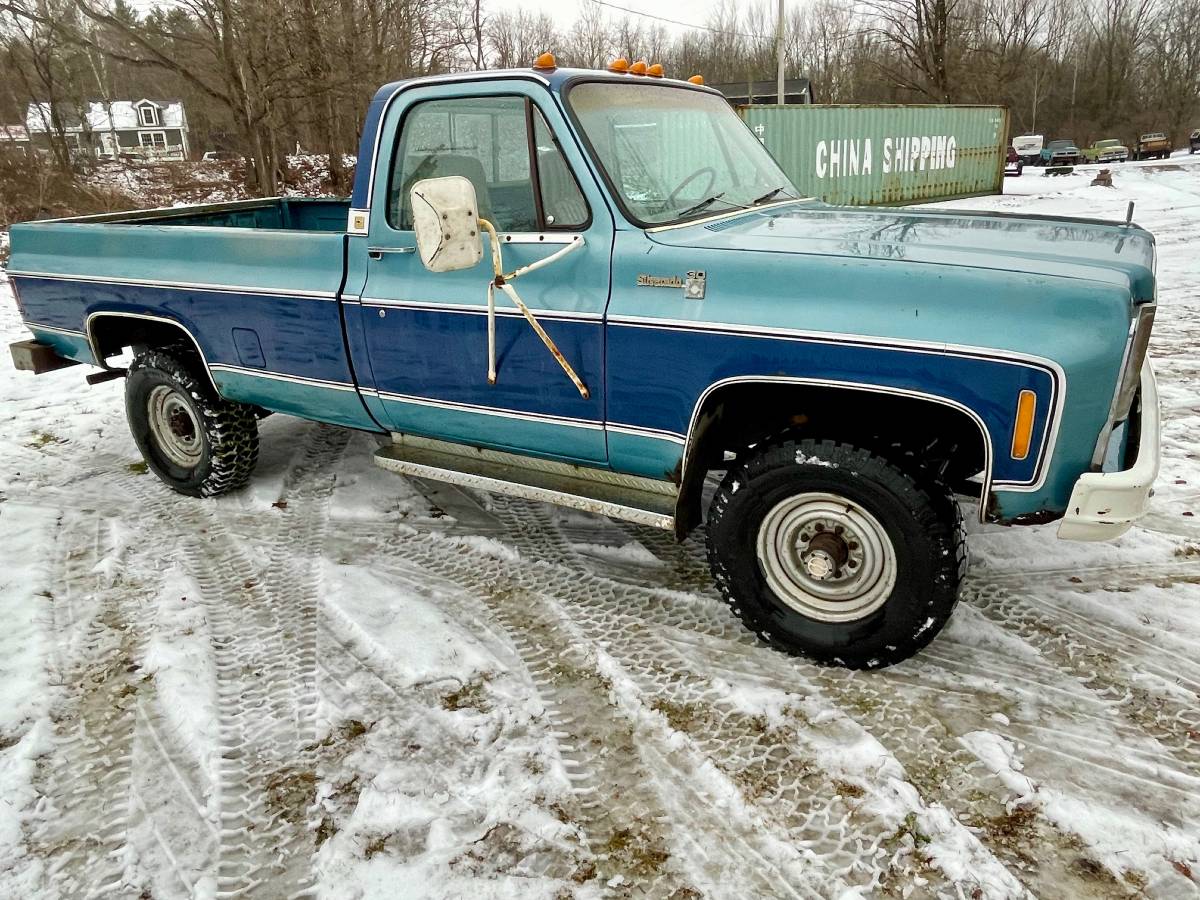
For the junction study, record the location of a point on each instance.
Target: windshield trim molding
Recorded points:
(610, 186)
(729, 214)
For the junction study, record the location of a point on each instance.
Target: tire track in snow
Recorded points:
(85, 816)
(263, 625)
(938, 763)
(405, 727)
(1154, 685)
(175, 831)
(748, 758)
(651, 841)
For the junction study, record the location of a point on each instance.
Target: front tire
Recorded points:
(832, 552)
(195, 441)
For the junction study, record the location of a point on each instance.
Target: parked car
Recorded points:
(1013, 164)
(1110, 150)
(564, 332)
(1061, 153)
(1029, 148)
(1194, 141)
(1154, 145)
(220, 156)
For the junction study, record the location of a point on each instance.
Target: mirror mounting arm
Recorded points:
(501, 281)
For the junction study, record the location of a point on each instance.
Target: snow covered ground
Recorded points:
(342, 682)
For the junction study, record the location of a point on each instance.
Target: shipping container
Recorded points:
(882, 155)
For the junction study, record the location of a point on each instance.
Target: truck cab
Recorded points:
(1110, 150)
(1153, 145)
(1061, 152)
(597, 288)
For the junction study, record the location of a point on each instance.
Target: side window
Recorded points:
(484, 139)
(562, 201)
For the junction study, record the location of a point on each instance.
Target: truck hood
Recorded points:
(1116, 254)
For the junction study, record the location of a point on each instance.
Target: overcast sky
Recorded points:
(566, 11)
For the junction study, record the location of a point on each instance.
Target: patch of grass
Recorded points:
(290, 792)
(1135, 878)
(1088, 868)
(472, 695)
(908, 828)
(686, 717)
(44, 439)
(1012, 824)
(847, 789)
(325, 830)
(635, 852)
(138, 468)
(584, 872)
(343, 734)
(375, 845)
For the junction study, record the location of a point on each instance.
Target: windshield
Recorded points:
(1059, 145)
(1107, 143)
(672, 154)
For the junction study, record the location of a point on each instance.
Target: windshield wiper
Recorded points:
(703, 205)
(768, 195)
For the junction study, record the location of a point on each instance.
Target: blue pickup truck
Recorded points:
(598, 289)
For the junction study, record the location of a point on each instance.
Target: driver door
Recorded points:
(426, 332)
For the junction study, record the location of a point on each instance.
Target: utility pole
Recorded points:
(779, 96)
(1033, 128)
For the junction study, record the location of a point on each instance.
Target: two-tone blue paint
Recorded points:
(961, 308)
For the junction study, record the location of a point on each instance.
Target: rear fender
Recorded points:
(97, 320)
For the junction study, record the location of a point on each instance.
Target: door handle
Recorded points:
(377, 252)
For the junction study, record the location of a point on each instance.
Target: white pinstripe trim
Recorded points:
(281, 376)
(183, 285)
(660, 434)
(547, 418)
(476, 310)
(70, 332)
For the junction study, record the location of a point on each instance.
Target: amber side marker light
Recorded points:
(545, 61)
(1023, 429)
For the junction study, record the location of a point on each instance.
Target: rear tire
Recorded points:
(830, 551)
(195, 441)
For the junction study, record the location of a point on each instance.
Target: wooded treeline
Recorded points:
(260, 77)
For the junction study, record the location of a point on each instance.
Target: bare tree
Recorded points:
(928, 37)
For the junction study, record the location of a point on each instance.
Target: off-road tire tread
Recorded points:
(230, 427)
(931, 504)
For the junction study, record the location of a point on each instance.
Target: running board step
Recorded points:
(601, 491)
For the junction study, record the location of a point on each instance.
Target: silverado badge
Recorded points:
(693, 285)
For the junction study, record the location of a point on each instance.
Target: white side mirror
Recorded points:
(446, 220)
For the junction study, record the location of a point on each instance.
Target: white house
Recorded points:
(153, 129)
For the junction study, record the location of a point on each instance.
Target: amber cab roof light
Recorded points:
(638, 68)
(620, 64)
(545, 61)
(696, 79)
(655, 71)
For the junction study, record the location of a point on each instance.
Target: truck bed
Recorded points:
(254, 284)
(286, 213)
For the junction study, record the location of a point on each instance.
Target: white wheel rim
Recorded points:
(826, 557)
(174, 427)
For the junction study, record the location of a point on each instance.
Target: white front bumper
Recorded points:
(1105, 504)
